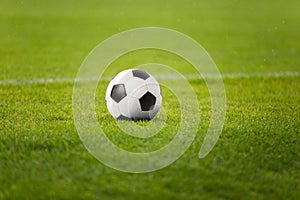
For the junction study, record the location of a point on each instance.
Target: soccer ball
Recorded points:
(133, 95)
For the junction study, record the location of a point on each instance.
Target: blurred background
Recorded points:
(51, 38)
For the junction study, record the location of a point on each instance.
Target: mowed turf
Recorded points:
(258, 153)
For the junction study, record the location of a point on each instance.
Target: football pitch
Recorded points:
(255, 45)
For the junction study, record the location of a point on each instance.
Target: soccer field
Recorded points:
(256, 48)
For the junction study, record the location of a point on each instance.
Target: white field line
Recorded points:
(159, 77)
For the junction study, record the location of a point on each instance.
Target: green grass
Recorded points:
(258, 153)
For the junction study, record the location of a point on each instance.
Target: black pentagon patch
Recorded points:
(118, 92)
(147, 101)
(122, 117)
(142, 119)
(140, 74)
